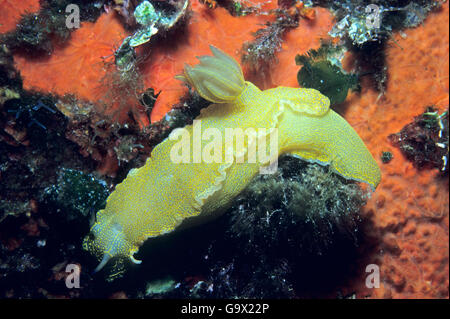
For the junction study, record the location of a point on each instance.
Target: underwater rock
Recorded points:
(116, 148)
(367, 26)
(36, 32)
(77, 194)
(365, 21)
(32, 149)
(425, 140)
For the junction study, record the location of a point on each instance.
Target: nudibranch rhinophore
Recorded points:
(178, 187)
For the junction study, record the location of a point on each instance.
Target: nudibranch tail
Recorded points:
(327, 139)
(217, 78)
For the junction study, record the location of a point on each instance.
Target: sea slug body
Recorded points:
(167, 194)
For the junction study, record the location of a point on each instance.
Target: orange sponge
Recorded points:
(77, 66)
(410, 208)
(11, 11)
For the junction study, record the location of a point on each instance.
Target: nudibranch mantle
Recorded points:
(165, 195)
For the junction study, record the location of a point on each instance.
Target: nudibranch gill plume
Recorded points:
(167, 194)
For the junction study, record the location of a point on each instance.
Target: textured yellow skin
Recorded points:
(160, 196)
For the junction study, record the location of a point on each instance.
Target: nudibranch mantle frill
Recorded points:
(164, 195)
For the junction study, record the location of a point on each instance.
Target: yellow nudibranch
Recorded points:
(167, 194)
